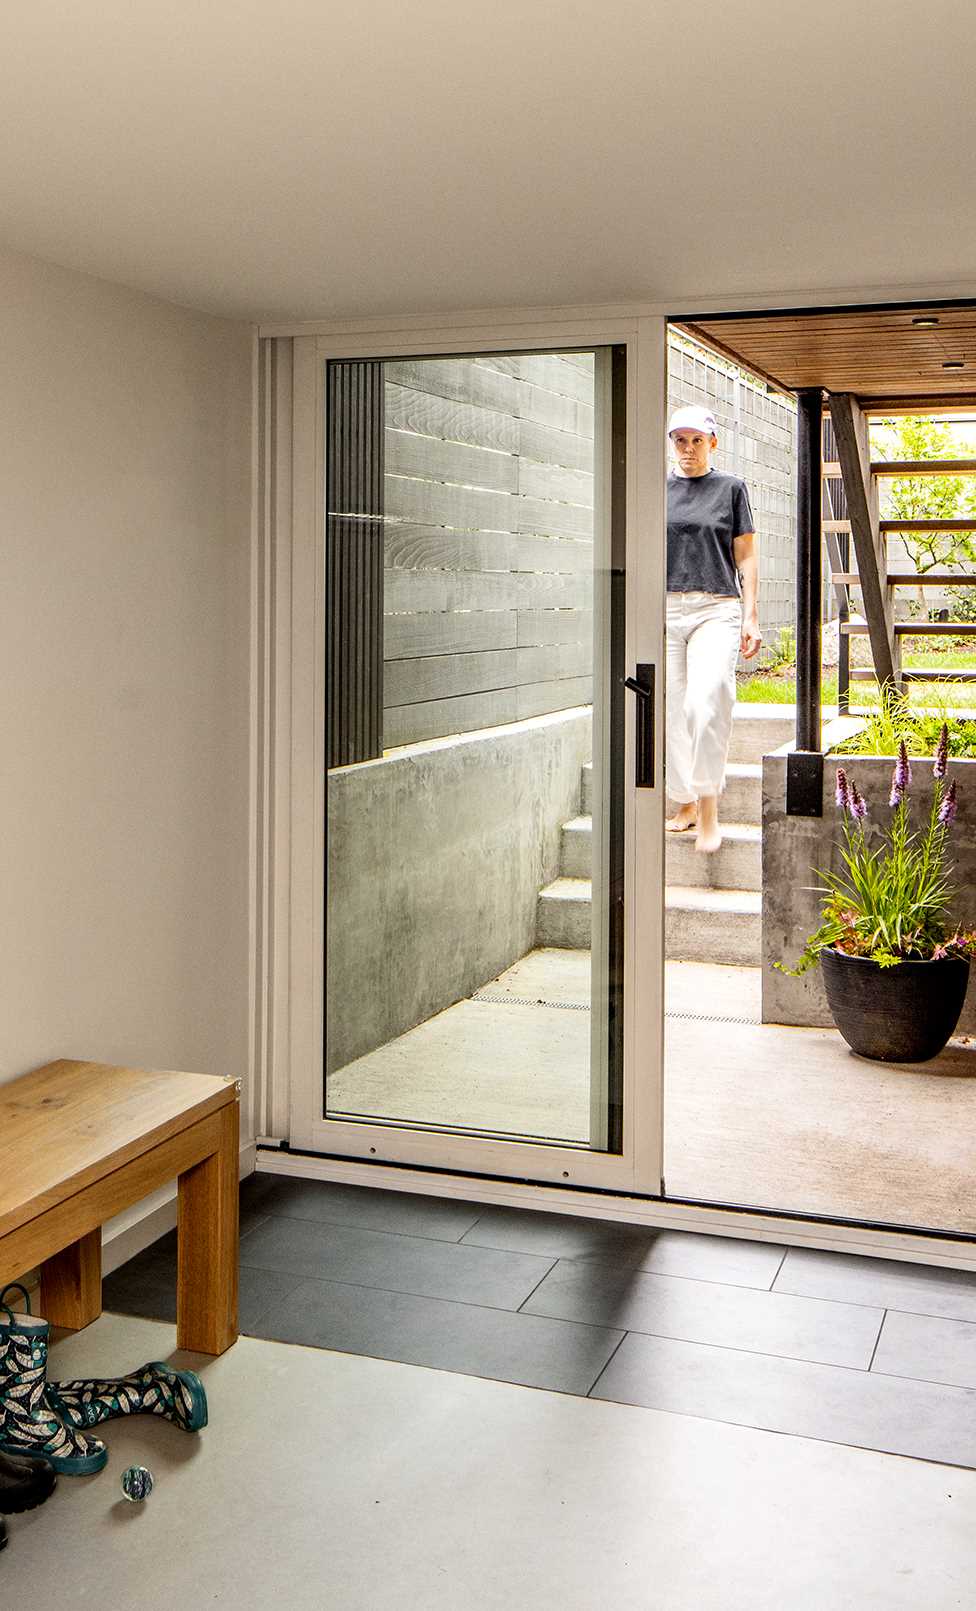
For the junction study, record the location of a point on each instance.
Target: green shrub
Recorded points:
(895, 721)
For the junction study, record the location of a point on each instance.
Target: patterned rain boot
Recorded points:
(154, 1389)
(29, 1425)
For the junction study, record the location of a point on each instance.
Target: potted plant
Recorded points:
(895, 967)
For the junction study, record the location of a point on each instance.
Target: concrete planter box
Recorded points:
(795, 848)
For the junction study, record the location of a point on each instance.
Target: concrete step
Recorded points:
(564, 914)
(576, 852)
(757, 729)
(737, 865)
(713, 925)
(742, 800)
(700, 925)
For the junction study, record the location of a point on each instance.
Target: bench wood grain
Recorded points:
(81, 1141)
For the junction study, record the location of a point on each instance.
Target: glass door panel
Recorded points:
(475, 802)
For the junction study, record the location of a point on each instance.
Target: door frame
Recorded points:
(295, 996)
(279, 970)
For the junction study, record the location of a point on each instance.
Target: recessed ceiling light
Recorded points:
(925, 321)
(954, 363)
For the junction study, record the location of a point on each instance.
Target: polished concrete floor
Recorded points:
(757, 1114)
(330, 1482)
(850, 1350)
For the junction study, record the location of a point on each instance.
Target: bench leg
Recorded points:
(71, 1284)
(207, 1247)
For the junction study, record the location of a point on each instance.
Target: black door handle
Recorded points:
(643, 686)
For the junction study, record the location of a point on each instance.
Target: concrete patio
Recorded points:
(757, 1114)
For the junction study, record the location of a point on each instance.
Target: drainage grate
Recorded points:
(528, 1001)
(496, 998)
(714, 1018)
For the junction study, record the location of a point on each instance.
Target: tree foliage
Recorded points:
(930, 497)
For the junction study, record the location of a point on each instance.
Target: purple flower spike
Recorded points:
(897, 795)
(859, 806)
(948, 808)
(903, 769)
(843, 794)
(942, 753)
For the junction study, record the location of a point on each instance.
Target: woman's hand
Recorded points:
(751, 641)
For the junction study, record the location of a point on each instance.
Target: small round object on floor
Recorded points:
(137, 1483)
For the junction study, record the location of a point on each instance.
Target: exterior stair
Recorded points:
(712, 903)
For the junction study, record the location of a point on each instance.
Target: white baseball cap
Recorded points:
(693, 419)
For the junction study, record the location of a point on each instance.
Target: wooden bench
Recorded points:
(79, 1142)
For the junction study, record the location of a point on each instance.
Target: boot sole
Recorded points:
(82, 1465)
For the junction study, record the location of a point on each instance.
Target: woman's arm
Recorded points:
(747, 564)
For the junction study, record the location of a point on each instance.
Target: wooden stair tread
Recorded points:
(898, 467)
(911, 579)
(916, 674)
(912, 629)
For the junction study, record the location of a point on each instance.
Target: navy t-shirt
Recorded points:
(705, 515)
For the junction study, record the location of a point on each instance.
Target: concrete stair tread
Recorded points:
(568, 889)
(578, 825)
(744, 769)
(743, 832)
(704, 898)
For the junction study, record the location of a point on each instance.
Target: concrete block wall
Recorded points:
(757, 441)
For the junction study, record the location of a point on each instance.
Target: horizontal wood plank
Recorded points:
(917, 467)
(447, 632)
(912, 629)
(438, 677)
(452, 420)
(413, 592)
(537, 627)
(928, 525)
(458, 463)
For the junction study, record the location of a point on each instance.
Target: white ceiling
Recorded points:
(330, 158)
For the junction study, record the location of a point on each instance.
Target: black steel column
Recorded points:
(809, 568)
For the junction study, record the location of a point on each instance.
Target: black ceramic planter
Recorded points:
(903, 1014)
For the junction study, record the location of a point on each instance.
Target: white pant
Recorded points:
(703, 634)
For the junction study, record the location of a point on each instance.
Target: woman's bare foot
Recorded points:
(684, 819)
(709, 835)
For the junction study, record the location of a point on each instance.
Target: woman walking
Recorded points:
(712, 617)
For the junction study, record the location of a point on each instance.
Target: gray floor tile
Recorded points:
(146, 1286)
(920, 1419)
(328, 1202)
(428, 1268)
(554, 1354)
(714, 1258)
(563, 1236)
(884, 1283)
(558, 1236)
(930, 1349)
(705, 1311)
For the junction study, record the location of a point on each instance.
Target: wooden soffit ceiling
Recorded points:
(882, 355)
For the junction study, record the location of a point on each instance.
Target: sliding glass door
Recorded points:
(485, 731)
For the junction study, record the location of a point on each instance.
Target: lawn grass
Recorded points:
(779, 687)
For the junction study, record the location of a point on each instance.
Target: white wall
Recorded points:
(124, 544)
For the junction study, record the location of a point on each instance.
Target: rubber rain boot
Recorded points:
(24, 1483)
(29, 1424)
(155, 1389)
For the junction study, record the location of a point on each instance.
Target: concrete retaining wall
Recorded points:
(437, 853)
(795, 847)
